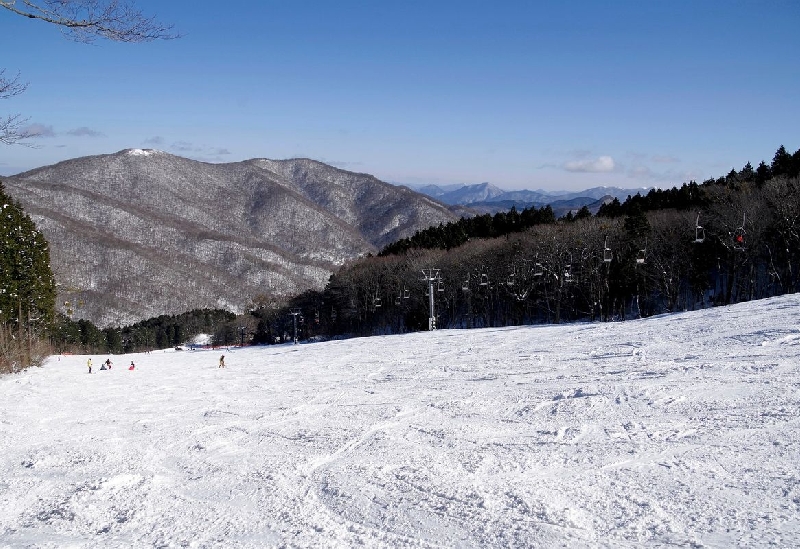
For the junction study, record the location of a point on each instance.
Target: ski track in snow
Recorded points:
(677, 430)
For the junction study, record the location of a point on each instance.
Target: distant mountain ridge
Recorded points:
(140, 232)
(488, 198)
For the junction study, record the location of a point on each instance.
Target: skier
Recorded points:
(222, 361)
(108, 363)
(132, 366)
(89, 364)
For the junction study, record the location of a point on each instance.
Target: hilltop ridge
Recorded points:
(142, 232)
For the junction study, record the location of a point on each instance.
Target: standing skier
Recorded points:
(89, 364)
(222, 361)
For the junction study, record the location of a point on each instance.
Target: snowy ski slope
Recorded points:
(676, 430)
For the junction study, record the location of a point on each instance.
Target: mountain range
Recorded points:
(488, 198)
(141, 233)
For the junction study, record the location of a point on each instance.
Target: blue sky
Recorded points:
(552, 95)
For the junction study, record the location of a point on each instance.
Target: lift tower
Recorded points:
(430, 276)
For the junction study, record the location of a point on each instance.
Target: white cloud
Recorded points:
(39, 130)
(83, 131)
(601, 164)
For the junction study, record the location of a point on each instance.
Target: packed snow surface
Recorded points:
(678, 430)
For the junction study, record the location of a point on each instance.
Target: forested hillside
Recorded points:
(726, 240)
(141, 233)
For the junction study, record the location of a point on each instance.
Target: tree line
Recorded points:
(729, 239)
(456, 233)
(164, 331)
(725, 240)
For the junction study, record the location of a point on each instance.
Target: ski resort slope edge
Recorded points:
(677, 430)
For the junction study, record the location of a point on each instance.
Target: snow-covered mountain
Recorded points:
(674, 431)
(141, 233)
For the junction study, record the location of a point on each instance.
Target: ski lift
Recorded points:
(376, 302)
(484, 279)
(568, 270)
(538, 270)
(641, 254)
(699, 231)
(739, 235)
(510, 280)
(401, 295)
(439, 285)
(607, 255)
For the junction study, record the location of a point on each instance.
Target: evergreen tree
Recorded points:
(27, 287)
(763, 173)
(610, 209)
(781, 162)
(747, 173)
(583, 213)
(636, 223)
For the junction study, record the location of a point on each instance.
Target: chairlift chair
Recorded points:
(641, 254)
(739, 235)
(401, 295)
(738, 239)
(538, 270)
(568, 269)
(607, 255)
(484, 279)
(699, 231)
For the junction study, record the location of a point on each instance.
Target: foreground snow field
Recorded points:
(678, 430)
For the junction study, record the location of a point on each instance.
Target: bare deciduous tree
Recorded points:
(11, 126)
(86, 20)
(81, 21)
